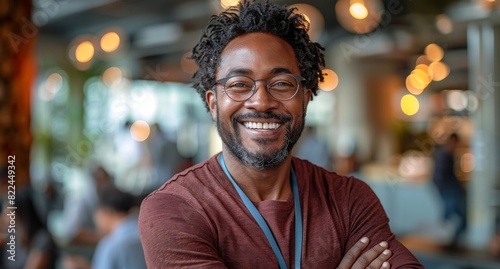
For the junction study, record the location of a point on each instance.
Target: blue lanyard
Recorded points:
(262, 223)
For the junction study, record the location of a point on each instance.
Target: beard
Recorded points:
(267, 157)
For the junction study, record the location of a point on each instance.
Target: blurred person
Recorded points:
(116, 220)
(255, 205)
(79, 207)
(120, 246)
(35, 247)
(450, 189)
(165, 158)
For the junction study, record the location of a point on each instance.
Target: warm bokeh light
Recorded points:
(409, 104)
(467, 162)
(353, 15)
(411, 88)
(434, 52)
(110, 41)
(112, 76)
(440, 70)
(426, 70)
(488, 5)
(54, 82)
(456, 100)
(228, 3)
(140, 130)
(331, 80)
(358, 11)
(422, 59)
(84, 52)
(444, 24)
(421, 76)
(418, 80)
(314, 17)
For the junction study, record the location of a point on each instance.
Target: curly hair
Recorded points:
(251, 17)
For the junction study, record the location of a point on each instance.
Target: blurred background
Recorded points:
(100, 90)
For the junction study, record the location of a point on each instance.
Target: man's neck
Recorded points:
(260, 185)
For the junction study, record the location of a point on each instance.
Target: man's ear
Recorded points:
(211, 99)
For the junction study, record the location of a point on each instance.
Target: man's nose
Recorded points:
(262, 100)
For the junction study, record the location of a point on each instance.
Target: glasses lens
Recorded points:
(239, 88)
(283, 87)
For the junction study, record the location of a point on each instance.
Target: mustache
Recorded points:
(263, 115)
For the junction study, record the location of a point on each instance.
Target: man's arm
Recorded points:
(368, 218)
(173, 234)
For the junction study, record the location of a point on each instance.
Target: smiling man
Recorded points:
(254, 205)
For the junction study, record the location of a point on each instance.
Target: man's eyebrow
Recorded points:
(245, 71)
(239, 71)
(280, 70)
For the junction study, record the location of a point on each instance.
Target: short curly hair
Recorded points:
(251, 17)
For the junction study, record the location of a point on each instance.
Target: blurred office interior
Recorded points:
(108, 82)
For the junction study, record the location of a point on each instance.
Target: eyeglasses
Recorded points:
(282, 87)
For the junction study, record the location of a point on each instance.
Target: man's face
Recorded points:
(260, 131)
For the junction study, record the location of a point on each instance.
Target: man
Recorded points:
(452, 192)
(115, 218)
(120, 246)
(254, 205)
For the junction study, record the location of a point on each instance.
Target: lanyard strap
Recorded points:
(262, 223)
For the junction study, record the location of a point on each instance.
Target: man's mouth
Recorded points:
(262, 125)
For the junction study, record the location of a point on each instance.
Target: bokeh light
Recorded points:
(421, 76)
(358, 11)
(422, 59)
(331, 80)
(426, 70)
(440, 70)
(456, 100)
(314, 17)
(409, 104)
(444, 24)
(84, 52)
(110, 41)
(417, 81)
(112, 76)
(359, 16)
(411, 88)
(228, 3)
(140, 130)
(434, 52)
(467, 162)
(54, 83)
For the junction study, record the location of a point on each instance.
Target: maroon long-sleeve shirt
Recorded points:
(198, 220)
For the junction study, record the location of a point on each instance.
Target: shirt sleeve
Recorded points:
(175, 234)
(367, 217)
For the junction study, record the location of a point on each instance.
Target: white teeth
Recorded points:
(260, 125)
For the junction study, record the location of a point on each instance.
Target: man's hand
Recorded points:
(374, 258)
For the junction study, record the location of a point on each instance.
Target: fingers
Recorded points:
(353, 254)
(374, 258)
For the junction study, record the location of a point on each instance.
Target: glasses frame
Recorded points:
(299, 79)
